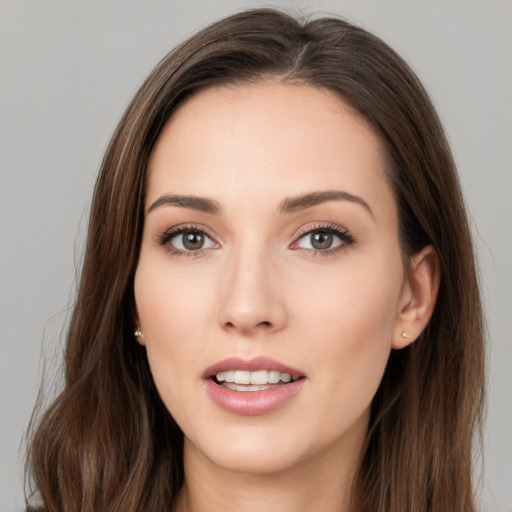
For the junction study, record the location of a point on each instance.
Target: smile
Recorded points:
(240, 380)
(252, 387)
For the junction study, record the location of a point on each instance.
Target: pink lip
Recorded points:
(252, 403)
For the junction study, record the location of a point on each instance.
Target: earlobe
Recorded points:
(418, 297)
(137, 330)
(139, 337)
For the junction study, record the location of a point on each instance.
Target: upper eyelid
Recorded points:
(181, 228)
(328, 226)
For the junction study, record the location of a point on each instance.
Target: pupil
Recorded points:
(193, 240)
(321, 240)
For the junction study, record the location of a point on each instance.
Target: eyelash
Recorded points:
(165, 238)
(345, 236)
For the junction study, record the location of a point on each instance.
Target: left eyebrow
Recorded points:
(202, 204)
(297, 203)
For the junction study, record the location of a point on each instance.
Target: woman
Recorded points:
(278, 304)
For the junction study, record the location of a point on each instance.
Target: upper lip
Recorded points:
(251, 365)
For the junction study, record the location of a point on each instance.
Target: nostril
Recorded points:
(245, 328)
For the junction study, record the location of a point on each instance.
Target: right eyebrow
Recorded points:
(294, 204)
(203, 204)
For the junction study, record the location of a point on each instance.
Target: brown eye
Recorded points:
(193, 240)
(324, 239)
(321, 240)
(187, 240)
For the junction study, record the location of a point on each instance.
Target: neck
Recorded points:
(322, 482)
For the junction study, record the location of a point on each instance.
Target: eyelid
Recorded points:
(342, 233)
(164, 239)
(319, 226)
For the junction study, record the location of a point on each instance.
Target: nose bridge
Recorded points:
(251, 299)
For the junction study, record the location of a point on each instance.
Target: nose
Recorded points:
(251, 295)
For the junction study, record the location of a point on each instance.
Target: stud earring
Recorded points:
(404, 335)
(137, 333)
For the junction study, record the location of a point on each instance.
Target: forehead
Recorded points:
(265, 141)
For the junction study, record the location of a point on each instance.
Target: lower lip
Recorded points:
(253, 403)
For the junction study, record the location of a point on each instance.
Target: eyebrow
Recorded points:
(297, 203)
(289, 205)
(202, 204)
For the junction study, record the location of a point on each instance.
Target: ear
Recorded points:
(137, 330)
(418, 297)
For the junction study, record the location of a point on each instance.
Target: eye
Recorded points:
(323, 239)
(187, 240)
(319, 240)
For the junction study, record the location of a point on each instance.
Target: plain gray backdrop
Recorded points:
(68, 69)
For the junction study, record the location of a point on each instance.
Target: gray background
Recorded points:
(67, 70)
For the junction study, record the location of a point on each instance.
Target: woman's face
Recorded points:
(270, 254)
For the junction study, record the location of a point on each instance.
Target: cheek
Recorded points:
(348, 326)
(175, 311)
(170, 304)
(358, 302)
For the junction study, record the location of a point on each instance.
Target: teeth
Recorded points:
(285, 377)
(242, 377)
(274, 377)
(259, 378)
(250, 387)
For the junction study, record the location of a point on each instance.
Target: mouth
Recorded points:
(252, 387)
(243, 380)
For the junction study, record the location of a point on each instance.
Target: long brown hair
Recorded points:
(108, 443)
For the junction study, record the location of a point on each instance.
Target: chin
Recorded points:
(250, 446)
(253, 458)
(264, 449)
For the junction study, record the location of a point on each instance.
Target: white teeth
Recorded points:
(250, 387)
(285, 377)
(259, 378)
(221, 376)
(274, 377)
(242, 377)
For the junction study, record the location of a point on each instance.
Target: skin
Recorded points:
(258, 288)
